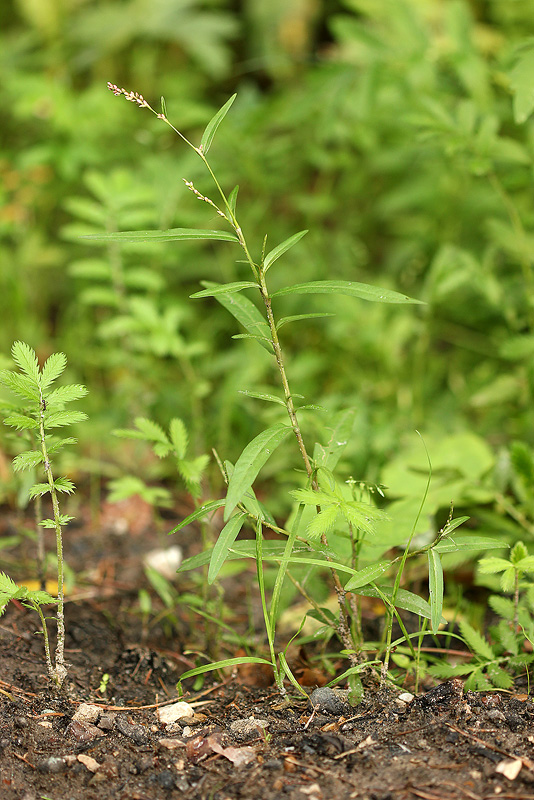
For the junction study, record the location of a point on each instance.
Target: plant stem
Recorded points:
(59, 672)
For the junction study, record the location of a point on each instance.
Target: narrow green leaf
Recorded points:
(246, 313)
(270, 398)
(213, 124)
(163, 106)
(227, 662)
(468, 541)
(435, 582)
(367, 575)
(171, 235)
(52, 369)
(21, 422)
(522, 86)
(405, 600)
(202, 511)
(249, 463)
(362, 290)
(278, 251)
(225, 288)
(232, 199)
(298, 317)
(25, 358)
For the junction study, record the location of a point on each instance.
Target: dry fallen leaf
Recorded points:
(237, 755)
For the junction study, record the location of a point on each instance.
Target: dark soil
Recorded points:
(239, 741)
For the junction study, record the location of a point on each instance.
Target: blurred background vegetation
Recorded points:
(397, 131)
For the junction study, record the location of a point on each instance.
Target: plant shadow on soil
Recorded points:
(241, 741)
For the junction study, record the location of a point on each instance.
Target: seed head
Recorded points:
(133, 97)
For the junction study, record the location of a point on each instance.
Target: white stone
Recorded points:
(169, 714)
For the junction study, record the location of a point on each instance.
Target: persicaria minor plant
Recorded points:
(323, 503)
(42, 411)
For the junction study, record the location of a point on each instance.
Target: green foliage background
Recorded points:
(398, 131)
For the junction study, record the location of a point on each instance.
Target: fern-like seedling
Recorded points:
(41, 411)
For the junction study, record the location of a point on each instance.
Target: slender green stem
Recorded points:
(60, 671)
(51, 671)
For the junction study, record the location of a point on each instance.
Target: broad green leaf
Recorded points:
(21, 422)
(246, 313)
(171, 235)
(435, 582)
(202, 511)
(362, 290)
(367, 575)
(224, 288)
(270, 398)
(475, 641)
(213, 124)
(298, 317)
(25, 358)
(52, 369)
(405, 600)
(228, 662)
(179, 438)
(21, 385)
(249, 463)
(278, 251)
(523, 86)
(58, 419)
(468, 541)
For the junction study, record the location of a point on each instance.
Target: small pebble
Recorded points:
(406, 697)
(246, 727)
(329, 701)
(86, 713)
(53, 765)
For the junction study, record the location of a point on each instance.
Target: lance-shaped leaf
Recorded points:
(404, 599)
(171, 235)
(468, 541)
(367, 575)
(297, 317)
(250, 462)
(362, 290)
(435, 583)
(213, 124)
(269, 398)
(225, 288)
(202, 511)
(227, 537)
(271, 257)
(246, 313)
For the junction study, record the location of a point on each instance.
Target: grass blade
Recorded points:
(435, 582)
(171, 235)
(227, 537)
(213, 124)
(362, 290)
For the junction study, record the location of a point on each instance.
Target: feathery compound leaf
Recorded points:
(249, 463)
(179, 437)
(65, 394)
(172, 235)
(227, 537)
(475, 641)
(53, 367)
(38, 490)
(21, 422)
(26, 359)
(362, 290)
(30, 458)
(224, 288)
(64, 485)
(213, 124)
(151, 430)
(271, 257)
(57, 419)
(362, 516)
(53, 448)
(323, 522)
(21, 385)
